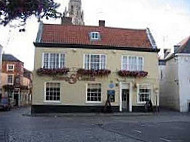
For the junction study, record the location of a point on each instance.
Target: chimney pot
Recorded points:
(102, 23)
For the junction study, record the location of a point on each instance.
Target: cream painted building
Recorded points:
(78, 67)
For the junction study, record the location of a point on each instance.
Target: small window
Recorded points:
(10, 79)
(10, 67)
(52, 92)
(144, 93)
(94, 92)
(95, 36)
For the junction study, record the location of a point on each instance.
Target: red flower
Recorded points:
(125, 73)
(43, 71)
(101, 72)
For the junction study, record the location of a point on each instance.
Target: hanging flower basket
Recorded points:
(102, 72)
(125, 73)
(43, 71)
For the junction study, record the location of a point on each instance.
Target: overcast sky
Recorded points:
(168, 20)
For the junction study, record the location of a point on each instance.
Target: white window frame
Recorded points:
(49, 101)
(12, 79)
(93, 102)
(12, 66)
(137, 63)
(151, 92)
(90, 60)
(49, 54)
(93, 37)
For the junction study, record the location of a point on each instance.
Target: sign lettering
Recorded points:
(73, 78)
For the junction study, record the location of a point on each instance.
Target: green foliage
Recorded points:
(21, 10)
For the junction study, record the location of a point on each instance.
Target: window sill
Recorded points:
(56, 102)
(141, 103)
(92, 102)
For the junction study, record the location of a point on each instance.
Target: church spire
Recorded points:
(75, 12)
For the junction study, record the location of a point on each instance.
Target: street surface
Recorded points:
(165, 126)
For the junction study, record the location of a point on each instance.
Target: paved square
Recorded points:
(159, 127)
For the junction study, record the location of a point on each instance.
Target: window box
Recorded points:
(102, 72)
(43, 71)
(8, 87)
(125, 73)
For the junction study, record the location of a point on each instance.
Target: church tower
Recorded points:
(75, 12)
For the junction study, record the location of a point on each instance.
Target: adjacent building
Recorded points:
(16, 82)
(77, 68)
(1, 52)
(175, 78)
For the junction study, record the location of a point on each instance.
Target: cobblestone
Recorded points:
(164, 126)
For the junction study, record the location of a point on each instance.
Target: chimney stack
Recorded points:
(102, 23)
(66, 21)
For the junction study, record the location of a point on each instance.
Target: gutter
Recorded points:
(63, 45)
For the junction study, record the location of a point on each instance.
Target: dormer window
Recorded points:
(95, 36)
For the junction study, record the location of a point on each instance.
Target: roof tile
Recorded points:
(117, 37)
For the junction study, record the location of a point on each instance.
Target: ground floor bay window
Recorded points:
(93, 92)
(52, 92)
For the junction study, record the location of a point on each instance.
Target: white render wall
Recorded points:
(1, 51)
(184, 81)
(169, 86)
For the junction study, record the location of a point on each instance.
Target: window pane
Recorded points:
(124, 64)
(62, 60)
(87, 60)
(140, 64)
(134, 63)
(10, 79)
(103, 61)
(95, 62)
(45, 60)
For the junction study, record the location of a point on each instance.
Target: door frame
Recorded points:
(122, 84)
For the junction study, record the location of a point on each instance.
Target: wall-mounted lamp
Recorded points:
(74, 50)
(114, 52)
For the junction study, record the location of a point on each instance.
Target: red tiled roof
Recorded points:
(116, 37)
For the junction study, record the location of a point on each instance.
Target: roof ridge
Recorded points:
(143, 29)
